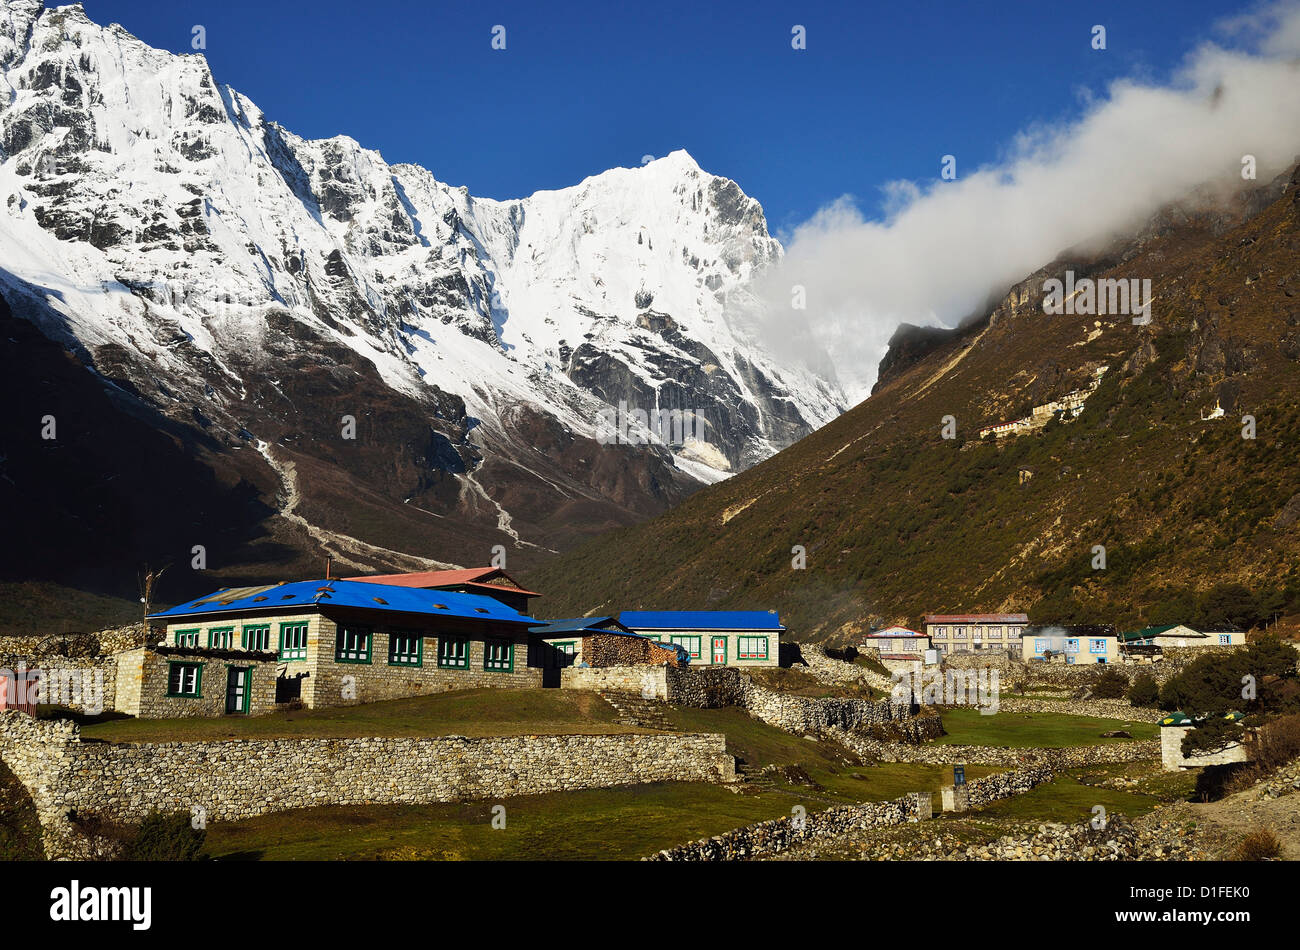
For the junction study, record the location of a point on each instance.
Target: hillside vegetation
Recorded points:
(1197, 521)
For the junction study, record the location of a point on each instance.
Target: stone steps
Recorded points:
(634, 710)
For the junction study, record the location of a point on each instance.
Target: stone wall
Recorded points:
(1120, 709)
(714, 687)
(1064, 758)
(1171, 751)
(142, 682)
(85, 684)
(647, 681)
(237, 779)
(772, 837)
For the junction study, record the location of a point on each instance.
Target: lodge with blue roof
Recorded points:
(336, 642)
(325, 642)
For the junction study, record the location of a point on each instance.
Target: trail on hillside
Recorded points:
(336, 544)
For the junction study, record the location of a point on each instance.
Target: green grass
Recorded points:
(594, 824)
(471, 712)
(889, 780)
(20, 829)
(1067, 799)
(966, 726)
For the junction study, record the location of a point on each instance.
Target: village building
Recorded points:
(1181, 635)
(714, 637)
(324, 643)
(898, 643)
(599, 642)
(1082, 644)
(1175, 727)
(488, 581)
(959, 633)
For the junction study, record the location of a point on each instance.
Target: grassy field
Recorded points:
(471, 712)
(593, 824)
(966, 726)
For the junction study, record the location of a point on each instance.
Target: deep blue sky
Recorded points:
(881, 93)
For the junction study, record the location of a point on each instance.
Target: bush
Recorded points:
(166, 837)
(1111, 685)
(1260, 845)
(1144, 691)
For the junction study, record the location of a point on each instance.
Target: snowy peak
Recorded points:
(156, 216)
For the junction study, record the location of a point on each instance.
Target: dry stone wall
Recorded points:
(772, 837)
(241, 778)
(1064, 758)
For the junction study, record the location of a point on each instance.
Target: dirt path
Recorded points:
(1225, 823)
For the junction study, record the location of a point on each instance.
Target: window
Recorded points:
(499, 655)
(995, 633)
(1072, 645)
(405, 648)
(453, 653)
(257, 636)
(943, 632)
(1225, 639)
(959, 633)
(185, 679)
(1040, 646)
(352, 645)
(1097, 646)
(293, 641)
(187, 638)
(222, 638)
(690, 644)
(561, 654)
(751, 648)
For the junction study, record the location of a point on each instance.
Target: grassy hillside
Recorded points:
(896, 520)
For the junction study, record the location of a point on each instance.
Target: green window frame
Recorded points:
(405, 648)
(257, 636)
(692, 645)
(221, 638)
(293, 640)
(187, 638)
(751, 648)
(453, 653)
(352, 644)
(499, 656)
(185, 680)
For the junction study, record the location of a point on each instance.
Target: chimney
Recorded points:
(328, 562)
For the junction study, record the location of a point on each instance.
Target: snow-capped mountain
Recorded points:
(208, 261)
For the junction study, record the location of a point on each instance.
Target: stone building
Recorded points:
(1081, 644)
(898, 643)
(1173, 729)
(714, 637)
(959, 633)
(333, 643)
(1181, 635)
(598, 642)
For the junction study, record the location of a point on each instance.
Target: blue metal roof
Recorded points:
(578, 624)
(310, 595)
(701, 619)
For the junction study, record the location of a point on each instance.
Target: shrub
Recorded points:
(1260, 845)
(166, 837)
(1144, 691)
(1111, 685)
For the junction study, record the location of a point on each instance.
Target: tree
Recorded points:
(1145, 691)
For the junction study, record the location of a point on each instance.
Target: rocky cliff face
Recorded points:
(263, 289)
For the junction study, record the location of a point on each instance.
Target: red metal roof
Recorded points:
(976, 618)
(896, 632)
(469, 576)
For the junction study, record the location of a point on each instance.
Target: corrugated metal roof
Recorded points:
(580, 624)
(468, 575)
(977, 618)
(701, 619)
(309, 595)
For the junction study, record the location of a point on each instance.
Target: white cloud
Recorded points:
(946, 247)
